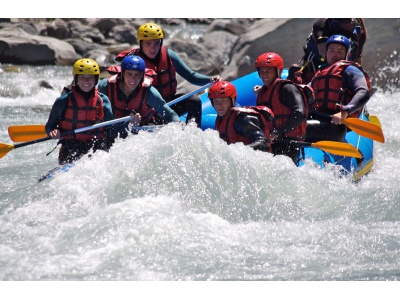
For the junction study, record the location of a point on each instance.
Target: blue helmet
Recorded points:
(133, 63)
(339, 39)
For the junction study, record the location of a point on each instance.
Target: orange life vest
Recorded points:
(81, 113)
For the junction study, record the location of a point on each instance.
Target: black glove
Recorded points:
(261, 145)
(249, 126)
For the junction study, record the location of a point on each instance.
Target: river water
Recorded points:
(181, 205)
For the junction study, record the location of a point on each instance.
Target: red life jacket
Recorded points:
(165, 80)
(81, 113)
(226, 129)
(120, 56)
(329, 94)
(138, 103)
(270, 97)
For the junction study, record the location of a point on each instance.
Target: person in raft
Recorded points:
(289, 103)
(314, 50)
(341, 90)
(81, 106)
(131, 93)
(249, 125)
(167, 64)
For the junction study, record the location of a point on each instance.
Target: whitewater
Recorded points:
(179, 204)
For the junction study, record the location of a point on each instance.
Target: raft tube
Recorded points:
(356, 167)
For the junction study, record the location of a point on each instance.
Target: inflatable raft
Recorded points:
(356, 167)
(349, 165)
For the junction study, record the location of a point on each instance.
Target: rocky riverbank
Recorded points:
(228, 46)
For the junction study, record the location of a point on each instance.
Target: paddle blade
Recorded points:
(374, 119)
(26, 133)
(5, 148)
(337, 148)
(366, 129)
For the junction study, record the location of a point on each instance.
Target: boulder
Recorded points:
(19, 47)
(227, 47)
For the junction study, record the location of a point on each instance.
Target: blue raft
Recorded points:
(356, 167)
(57, 170)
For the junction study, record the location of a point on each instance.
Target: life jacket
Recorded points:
(225, 126)
(120, 56)
(165, 79)
(270, 97)
(81, 113)
(327, 86)
(138, 103)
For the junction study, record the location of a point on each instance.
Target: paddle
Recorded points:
(190, 94)
(146, 127)
(26, 133)
(5, 148)
(337, 148)
(362, 127)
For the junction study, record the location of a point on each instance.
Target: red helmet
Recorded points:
(222, 89)
(269, 59)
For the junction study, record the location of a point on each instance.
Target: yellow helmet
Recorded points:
(149, 31)
(85, 66)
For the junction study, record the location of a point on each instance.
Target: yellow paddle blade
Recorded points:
(366, 129)
(26, 133)
(374, 119)
(337, 148)
(5, 148)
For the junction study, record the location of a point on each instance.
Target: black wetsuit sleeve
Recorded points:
(292, 98)
(354, 79)
(249, 126)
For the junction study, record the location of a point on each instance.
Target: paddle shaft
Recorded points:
(95, 126)
(146, 127)
(103, 124)
(190, 94)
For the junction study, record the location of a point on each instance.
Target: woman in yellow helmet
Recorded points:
(81, 106)
(166, 63)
